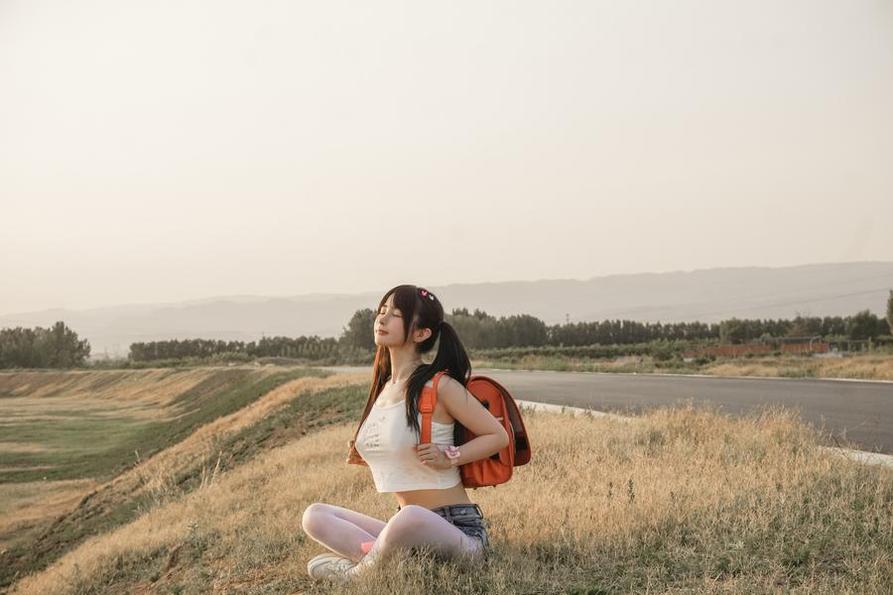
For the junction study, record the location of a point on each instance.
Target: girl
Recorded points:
(433, 507)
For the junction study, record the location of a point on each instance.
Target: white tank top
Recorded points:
(388, 445)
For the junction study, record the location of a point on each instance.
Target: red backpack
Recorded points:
(497, 468)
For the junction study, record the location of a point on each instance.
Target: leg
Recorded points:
(339, 529)
(416, 526)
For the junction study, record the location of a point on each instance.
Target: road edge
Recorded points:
(798, 378)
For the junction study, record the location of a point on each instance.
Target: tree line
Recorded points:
(480, 330)
(54, 347)
(59, 346)
(859, 327)
(301, 347)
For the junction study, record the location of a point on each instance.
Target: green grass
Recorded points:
(106, 510)
(88, 445)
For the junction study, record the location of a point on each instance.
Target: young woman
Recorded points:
(433, 507)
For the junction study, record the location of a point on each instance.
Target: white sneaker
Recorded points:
(330, 566)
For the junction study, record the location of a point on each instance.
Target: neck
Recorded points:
(403, 365)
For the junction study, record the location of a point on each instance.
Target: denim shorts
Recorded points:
(468, 518)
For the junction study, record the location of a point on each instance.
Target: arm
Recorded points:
(490, 438)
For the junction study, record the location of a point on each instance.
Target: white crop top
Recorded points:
(388, 445)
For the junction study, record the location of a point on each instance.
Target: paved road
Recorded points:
(860, 412)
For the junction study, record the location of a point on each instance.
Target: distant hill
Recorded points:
(708, 295)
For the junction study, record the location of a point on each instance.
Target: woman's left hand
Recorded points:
(431, 455)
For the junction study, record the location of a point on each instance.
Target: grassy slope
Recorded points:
(91, 443)
(215, 401)
(682, 499)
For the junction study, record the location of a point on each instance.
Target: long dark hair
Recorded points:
(420, 309)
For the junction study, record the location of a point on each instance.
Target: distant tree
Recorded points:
(520, 330)
(733, 330)
(804, 326)
(890, 311)
(359, 331)
(799, 328)
(63, 348)
(833, 326)
(863, 325)
(17, 348)
(55, 347)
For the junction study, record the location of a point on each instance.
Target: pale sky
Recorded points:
(159, 151)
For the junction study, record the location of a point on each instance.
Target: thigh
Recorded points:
(417, 525)
(468, 519)
(371, 525)
(476, 530)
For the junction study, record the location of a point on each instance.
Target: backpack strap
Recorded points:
(427, 403)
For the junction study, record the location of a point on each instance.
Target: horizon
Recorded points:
(261, 297)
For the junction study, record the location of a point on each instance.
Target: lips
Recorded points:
(381, 332)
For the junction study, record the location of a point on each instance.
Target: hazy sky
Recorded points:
(159, 151)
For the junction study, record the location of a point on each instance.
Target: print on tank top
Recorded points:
(373, 432)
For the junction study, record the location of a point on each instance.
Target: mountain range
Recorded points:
(708, 295)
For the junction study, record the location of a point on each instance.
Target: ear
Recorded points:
(424, 334)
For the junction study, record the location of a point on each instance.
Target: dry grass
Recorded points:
(40, 520)
(23, 447)
(863, 367)
(138, 393)
(683, 500)
(24, 506)
(48, 395)
(157, 474)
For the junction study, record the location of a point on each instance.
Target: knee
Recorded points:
(412, 509)
(312, 515)
(406, 521)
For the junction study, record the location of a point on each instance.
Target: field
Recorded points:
(76, 446)
(866, 366)
(683, 499)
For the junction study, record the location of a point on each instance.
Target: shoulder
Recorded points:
(450, 388)
(447, 384)
(447, 380)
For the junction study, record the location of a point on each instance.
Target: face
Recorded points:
(391, 320)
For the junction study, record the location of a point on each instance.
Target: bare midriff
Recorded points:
(434, 498)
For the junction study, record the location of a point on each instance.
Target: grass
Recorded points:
(862, 366)
(682, 499)
(85, 425)
(159, 436)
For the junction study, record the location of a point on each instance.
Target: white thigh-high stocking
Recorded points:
(416, 526)
(340, 529)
